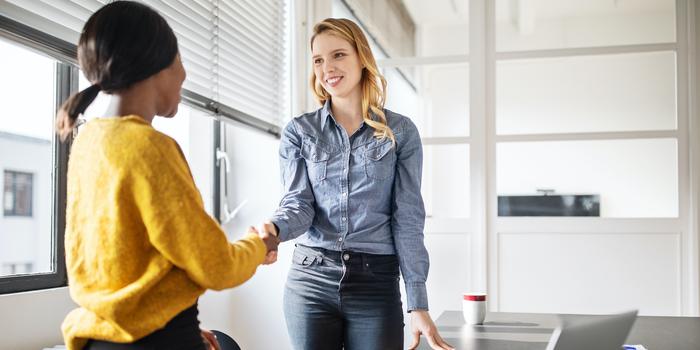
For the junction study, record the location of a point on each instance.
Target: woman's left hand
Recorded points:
(210, 340)
(421, 323)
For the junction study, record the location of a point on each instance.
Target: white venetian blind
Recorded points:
(233, 50)
(251, 54)
(193, 23)
(63, 19)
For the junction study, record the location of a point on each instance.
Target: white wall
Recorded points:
(564, 272)
(32, 320)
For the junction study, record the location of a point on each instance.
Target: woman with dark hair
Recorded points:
(140, 247)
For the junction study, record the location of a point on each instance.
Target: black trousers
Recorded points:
(181, 333)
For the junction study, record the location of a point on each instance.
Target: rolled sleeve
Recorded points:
(296, 211)
(408, 217)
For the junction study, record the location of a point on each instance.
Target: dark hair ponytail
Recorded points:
(124, 42)
(73, 107)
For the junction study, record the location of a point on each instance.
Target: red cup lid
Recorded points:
(475, 297)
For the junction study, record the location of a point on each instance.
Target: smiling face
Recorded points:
(337, 65)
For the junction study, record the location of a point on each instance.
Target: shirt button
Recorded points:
(344, 218)
(340, 239)
(346, 257)
(345, 194)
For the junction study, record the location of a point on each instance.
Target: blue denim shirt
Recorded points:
(356, 193)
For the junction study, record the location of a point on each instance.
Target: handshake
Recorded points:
(269, 235)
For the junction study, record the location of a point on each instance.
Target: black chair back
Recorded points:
(225, 342)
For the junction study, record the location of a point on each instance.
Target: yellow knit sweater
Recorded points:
(140, 247)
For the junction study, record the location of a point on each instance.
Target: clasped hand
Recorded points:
(268, 234)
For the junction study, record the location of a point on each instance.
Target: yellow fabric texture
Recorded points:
(140, 247)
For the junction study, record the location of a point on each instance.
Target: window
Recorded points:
(628, 186)
(597, 87)
(18, 193)
(234, 71)
(33, 165)
(587, 115)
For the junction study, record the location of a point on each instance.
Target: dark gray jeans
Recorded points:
(343, 300)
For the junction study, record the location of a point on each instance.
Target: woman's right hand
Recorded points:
(271, 242)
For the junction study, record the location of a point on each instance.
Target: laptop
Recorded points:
(600, 333)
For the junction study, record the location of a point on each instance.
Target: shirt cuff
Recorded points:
(417, 296)
(282, 229)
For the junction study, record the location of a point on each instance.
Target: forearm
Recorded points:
(245, 256)
(408, 218)
(414, 263)
(293, 218)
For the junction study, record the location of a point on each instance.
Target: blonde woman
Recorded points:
(352, 175)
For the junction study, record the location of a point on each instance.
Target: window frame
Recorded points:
(65, 83)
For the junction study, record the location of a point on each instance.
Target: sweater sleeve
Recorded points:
(172, 211)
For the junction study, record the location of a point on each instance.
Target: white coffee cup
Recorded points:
(474, 308)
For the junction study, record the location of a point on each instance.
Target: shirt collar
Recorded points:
(326, 114)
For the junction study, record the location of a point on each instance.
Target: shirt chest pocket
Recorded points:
(380, 161)
(316, 158)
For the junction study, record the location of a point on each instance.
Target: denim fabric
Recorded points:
(356, 192)
(343, 300)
